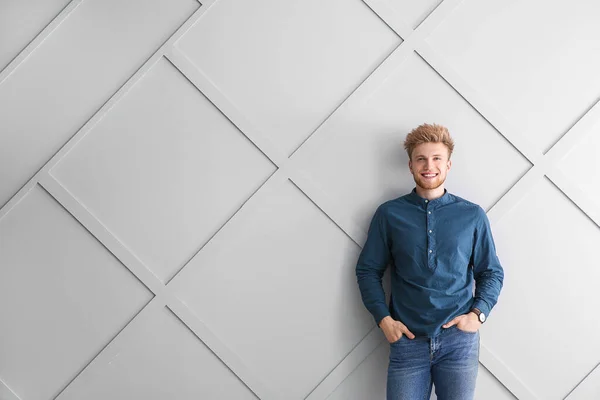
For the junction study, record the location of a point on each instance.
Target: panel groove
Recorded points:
(6, 393)
(155, 302)
(38, 40)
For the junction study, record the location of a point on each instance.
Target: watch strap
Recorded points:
(478, 313)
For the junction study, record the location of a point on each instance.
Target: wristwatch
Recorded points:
(480, 315)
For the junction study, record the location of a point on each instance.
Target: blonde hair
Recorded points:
(428, 133)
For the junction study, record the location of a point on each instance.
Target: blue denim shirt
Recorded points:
(437, 249)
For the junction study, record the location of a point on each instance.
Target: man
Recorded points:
(438, 245)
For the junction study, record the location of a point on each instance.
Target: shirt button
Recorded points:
(430, 251)
(429, 212)
(426, 201)
(430, 231)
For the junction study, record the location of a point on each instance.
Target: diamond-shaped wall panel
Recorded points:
(536, 61)
(363, 163)
(157, 358)
(21, 21)
(72, 74)
(368, 381)
(164, 170)
(582, 167)
(277, 286)
(540, 328)
(286, 64)
(63, 296)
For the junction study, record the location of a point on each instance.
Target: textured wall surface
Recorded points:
(185, 188)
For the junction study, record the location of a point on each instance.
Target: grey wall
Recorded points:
(185, 187)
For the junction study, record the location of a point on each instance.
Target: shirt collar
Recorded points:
(416, 199)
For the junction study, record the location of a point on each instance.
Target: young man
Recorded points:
(437, 244)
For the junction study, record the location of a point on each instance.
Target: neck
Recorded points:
(430, 194)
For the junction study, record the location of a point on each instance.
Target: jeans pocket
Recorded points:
(467, 332)
(397, 340)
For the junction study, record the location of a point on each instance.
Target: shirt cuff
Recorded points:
(482, 306)
(381, 314)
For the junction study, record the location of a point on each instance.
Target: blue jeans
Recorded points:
(449, 361)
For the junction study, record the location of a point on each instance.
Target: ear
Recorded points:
(449, 164)
(410, 166)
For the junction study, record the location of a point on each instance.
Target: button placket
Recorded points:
(430, 238)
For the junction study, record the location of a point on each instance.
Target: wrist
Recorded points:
(385, 321)
(473, 316)
(480, 316)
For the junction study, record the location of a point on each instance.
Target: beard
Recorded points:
(429, 184)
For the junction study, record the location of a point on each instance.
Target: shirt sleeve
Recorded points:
(371, 265)
(488, 273)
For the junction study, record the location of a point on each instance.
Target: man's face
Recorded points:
(429, 165)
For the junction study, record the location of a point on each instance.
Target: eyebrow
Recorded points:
(434, 155)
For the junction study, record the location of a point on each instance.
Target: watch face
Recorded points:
(482, 317)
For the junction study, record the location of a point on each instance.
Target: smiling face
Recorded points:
(430, 165)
